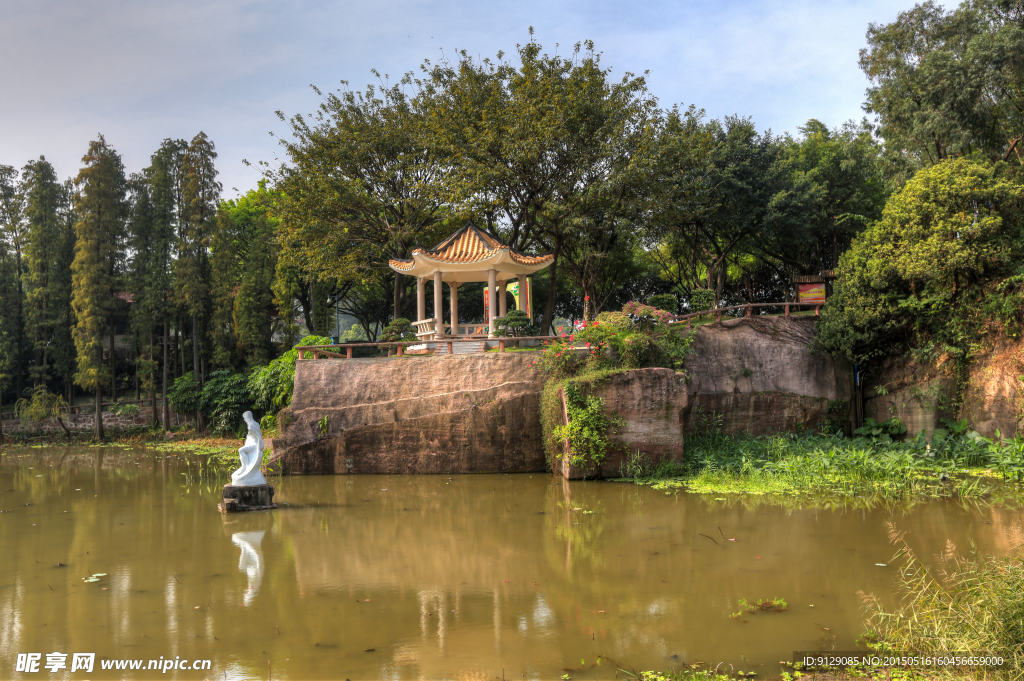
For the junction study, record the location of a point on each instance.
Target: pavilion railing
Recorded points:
(344, 351)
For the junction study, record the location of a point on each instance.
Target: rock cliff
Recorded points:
(459, 414)
(759, 376)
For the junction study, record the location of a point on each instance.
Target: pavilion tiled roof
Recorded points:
(467, 246)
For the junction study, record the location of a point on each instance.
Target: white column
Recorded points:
(502, 299)
(453, 289)
(438, 310)
(492, 303)
(421, 298)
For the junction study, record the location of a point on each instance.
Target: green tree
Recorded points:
(740, 195)
(164, 176)
(225, 271)
(11, 207)
(101, 209)
(357, 192)
(255, 298)
(931, 270)
(200, 196)
(947, 84)
(48, 273)
(545, 152)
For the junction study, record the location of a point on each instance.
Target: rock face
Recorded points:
(994, 397)
(649, 403)
(759, 376)
(922, 395)
(459, 414)
(481, 413)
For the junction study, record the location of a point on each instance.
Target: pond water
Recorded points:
(401, 577)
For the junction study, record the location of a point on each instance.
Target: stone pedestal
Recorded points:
(247, 498)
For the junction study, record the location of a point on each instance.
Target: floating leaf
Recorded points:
(881, 564)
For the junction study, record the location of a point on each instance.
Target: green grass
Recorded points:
(822, 466)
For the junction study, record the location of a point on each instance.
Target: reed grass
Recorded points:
(966, 604)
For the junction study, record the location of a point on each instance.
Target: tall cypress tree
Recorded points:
(101, 207)
(8, 320)
(44, 277)
(63, 353)
(200, 194)
(224, 273)
(13, 224)
(255, 297)
(165, 180)
(145, 308)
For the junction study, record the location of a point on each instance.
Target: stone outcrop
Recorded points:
(759, 375)
(917, 395)
(459, 414)
(648, 403)
(921, 395)
(994, 398)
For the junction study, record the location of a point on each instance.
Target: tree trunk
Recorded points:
(98, 431)
(19, 381)
(167, 341)
(152, 379)
(138, 395)
(195, 366)
(399, 294)
(549, 307)
(113, 365)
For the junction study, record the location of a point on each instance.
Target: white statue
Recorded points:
(250, 562)
(251, 454)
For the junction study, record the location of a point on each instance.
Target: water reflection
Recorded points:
(250, 562)
(435, 578)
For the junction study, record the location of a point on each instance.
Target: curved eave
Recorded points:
(502, 260)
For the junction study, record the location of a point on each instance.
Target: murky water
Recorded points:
(477, 576)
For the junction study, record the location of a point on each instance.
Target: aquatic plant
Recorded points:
(787, 464)
(965, 603)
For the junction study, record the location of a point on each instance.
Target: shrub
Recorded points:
(224, 399)
(125, 409)
(398, 330)
(516, 324)
(587, 430)
(271, 385)
(664, 301)
(701, 299)
(42, 405)
(185, 394)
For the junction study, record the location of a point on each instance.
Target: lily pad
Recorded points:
(90, 579)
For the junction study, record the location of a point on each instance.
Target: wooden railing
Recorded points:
(748, 310)
(344, 351)
(77, 408)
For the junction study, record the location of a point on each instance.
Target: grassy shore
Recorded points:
(787, 465)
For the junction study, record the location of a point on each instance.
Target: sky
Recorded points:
(139, 71)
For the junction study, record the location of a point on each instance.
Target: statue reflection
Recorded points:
(250, 562)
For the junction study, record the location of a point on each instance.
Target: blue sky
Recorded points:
(140, 71)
